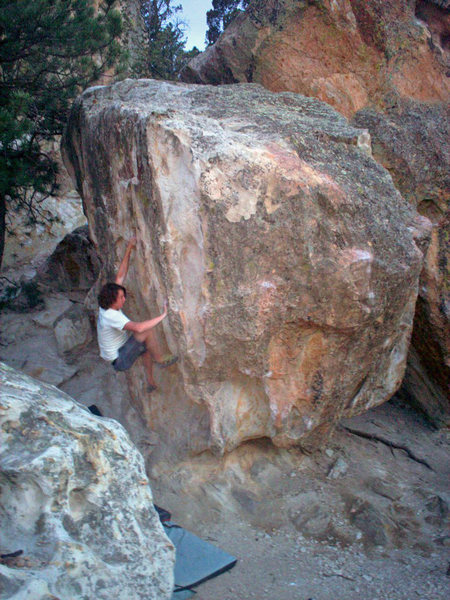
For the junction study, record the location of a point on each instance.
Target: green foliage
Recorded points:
(222, 13)
(166, 40)
(49, 51)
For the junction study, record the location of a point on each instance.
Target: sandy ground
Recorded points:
(285, 566)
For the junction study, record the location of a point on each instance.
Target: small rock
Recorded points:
(309, 516)
(438, 508)
(339, 469)
(72, 330)
(74, 263)
(54, 307)
(369, 521)
(382, 488)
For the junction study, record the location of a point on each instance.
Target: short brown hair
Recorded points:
(108, 294)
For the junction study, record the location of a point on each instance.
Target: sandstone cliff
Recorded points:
(290, 260)
(76, 501)
(345, 52)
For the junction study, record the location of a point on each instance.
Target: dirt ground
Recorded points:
(364, 518)
(378, 530)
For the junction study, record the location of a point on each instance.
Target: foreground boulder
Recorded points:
(75, 501)
(290, 260)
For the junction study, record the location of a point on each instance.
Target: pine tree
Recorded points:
(222, 13)
(50, 50)
(165, 38)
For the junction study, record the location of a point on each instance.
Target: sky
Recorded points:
(194, 13)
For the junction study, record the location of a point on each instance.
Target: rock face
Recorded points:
(290, 260)
(29, 342)
(28, 245)
(344, 52)
(73, 330)
(76, 500)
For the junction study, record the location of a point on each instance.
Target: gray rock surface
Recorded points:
(76, 501)
(74, 264)
(339, 469)
(41, 361)
(73, 330)
(54, 306)
(28, 342)
(290, 261)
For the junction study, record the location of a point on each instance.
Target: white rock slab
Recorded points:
(76, 501)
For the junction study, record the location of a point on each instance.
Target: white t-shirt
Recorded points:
(110, 333)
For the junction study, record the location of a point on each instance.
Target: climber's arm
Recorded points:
(123, 269)
(143, 326)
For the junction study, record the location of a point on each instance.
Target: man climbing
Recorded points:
(122, 341)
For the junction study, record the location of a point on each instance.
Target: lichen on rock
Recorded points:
(385, 63)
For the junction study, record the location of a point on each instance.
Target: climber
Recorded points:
(122, 341)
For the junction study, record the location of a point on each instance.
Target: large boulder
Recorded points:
(290, 261)
(76, 502)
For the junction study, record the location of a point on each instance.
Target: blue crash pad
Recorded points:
(196, 560)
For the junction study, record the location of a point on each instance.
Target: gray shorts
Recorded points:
(128, 353)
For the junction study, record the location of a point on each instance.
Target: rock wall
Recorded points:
(412, 140)
(28, 244)
(73, 265)
(345, 52)
(290, 260)
(76, 501)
